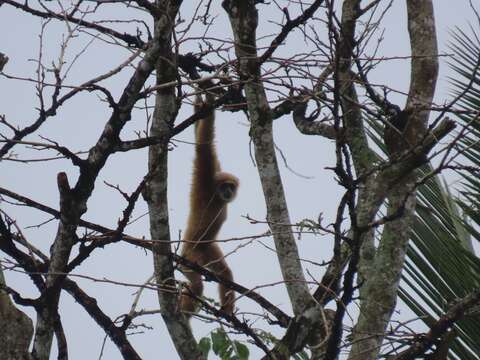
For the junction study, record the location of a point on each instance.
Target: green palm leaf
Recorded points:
(441, 265)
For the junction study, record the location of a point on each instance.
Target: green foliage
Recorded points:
(241, 350)
(205, 344)
(224, 347)
(441, 265)
(228, 349)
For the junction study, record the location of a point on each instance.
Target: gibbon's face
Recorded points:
(226, 186)
(227, 190)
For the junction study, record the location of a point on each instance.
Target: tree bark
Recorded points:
(244, 19)
(382, 275)
(17, 328)
(156, 192)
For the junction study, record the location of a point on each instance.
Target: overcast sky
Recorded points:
(79, 124)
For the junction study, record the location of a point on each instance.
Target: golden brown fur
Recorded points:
(211, 191)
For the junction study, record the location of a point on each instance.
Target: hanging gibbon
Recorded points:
(211, 191)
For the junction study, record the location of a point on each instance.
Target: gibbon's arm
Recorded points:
(205, 163)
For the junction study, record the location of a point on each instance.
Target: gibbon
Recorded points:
(210, 193)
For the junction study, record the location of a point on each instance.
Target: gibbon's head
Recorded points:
(226, 186)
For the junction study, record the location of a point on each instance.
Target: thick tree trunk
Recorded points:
(156, 193)
(244, 19)
(17, 329)
(382, 272)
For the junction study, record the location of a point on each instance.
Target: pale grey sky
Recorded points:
(79, 123)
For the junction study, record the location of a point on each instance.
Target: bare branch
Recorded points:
(424, 342)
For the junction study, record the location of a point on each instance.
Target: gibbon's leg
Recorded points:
(217, 264)
(195, 286)
(211, 256)
(187, 303)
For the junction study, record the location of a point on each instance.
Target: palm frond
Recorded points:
(441, 265)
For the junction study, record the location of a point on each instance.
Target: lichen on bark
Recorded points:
(16, 336)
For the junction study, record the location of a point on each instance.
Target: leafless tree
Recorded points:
(170, 54)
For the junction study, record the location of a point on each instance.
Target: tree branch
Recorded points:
(164, 115)
(424, 342)
(115, 333)
(410, 150)
(288, 27)
(244, 19)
